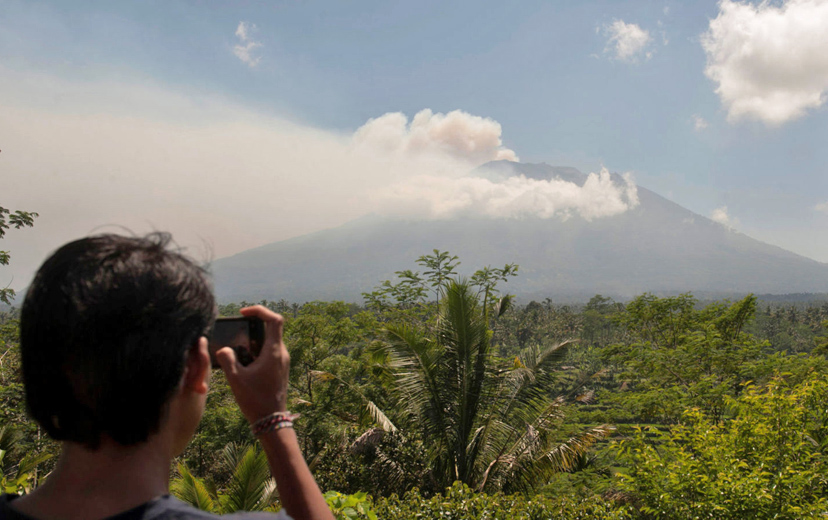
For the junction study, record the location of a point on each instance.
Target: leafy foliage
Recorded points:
(350, 507)
(768, 462)
(192, 490)
(18, 469)
(8, 219)
(459, 502)
(410, 291)
(676, 356)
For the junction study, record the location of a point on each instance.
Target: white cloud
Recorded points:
(822, 207)
(699, 123)
(627, 41)
(769, 60)
(244, 49)
(722, 216)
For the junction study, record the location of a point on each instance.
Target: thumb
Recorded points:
(226, 358)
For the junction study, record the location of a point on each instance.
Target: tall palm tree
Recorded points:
(490, 424)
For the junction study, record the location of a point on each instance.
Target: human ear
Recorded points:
(197, 367)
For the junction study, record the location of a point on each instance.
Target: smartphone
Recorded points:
(244, 334)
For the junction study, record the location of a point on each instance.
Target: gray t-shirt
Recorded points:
(162, 508)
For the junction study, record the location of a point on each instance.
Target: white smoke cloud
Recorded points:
(430, 161)
(627, 41)
(87, 155)
(244, 49)
(822, 207)
(722, 216)
(457, 135)
(514, 197)
(769, 59)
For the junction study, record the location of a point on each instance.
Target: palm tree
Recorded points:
(490, 424)
(250, 487)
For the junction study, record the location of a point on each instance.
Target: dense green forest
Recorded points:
(440, 397)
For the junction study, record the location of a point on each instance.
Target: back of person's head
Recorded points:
(104, 332)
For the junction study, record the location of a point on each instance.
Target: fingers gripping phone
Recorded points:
(244, 334)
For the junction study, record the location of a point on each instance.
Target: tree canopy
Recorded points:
(12, 219)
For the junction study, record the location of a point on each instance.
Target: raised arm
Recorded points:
(261, 391)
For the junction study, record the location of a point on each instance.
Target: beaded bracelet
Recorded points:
(272, 422)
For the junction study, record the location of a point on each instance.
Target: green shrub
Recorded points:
(767, 463)
(350, 507)
(459, 502)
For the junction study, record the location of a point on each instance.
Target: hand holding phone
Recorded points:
(260, 388)
(244, 334)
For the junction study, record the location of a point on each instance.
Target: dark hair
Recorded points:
(104, 332)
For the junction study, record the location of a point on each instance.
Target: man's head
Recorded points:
(105, 331)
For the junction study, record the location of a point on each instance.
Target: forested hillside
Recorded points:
(439, 397)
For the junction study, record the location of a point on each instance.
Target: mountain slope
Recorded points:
(657, 246)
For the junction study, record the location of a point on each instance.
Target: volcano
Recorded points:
(657, 246)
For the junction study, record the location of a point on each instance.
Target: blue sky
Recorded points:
(613, 84)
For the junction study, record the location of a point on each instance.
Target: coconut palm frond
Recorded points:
(538, 411)
(192, 490)
(464, 333)
(30, 462)
(247, 486)
(533, 362)
(419, 365)
(525, 383)
(501, 438)
(525, 402)
(232, 454)
(461, 327)
(393, 473)
(380, 418)
(9, 437)
(270, 495)
(511, 444)
(526, 473)
(377, 415)
(539, 358)
(565, 456)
